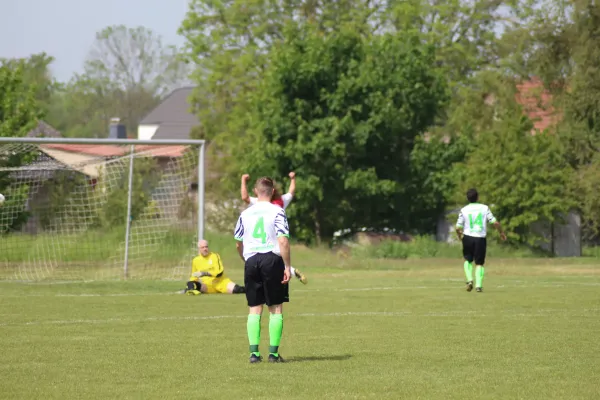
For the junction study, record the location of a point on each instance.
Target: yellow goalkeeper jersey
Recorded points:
(211, 264)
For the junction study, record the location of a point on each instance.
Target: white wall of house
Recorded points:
(146, 132)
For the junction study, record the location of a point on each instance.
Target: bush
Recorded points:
(427, 247)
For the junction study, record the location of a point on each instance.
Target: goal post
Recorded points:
(99, 209)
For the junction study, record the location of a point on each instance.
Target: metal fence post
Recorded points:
(128, 222)
(201, 192)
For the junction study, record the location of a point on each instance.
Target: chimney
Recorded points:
(116, 129)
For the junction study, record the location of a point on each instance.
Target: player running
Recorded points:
(208, 275)
(473, 236)
(262, 235)
(282, 201)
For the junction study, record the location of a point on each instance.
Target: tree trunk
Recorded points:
(317, 227)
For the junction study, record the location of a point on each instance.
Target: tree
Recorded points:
(135, 59)
(343, 111)
(36, 74)
(229, 41)
(127, 72)
(563, 50)
(85, 105)
(464, 33)
(433, 180)
(19, 114)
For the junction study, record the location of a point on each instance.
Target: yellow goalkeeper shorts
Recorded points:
(216, 285)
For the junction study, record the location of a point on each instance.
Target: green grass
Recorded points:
(386, 330)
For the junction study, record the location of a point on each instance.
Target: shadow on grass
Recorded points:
(319, 358)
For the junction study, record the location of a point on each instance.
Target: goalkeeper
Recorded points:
(208, 275)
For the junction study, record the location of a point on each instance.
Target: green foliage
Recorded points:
(37, 76)
(19, 114)
(432, 181)
(229, 43)
(146, 176)
(464, 33)
(343, 112)
(19, 111)
(561, 46)
(61, 202)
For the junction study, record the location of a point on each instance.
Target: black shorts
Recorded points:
(474, 249)
(263, 274)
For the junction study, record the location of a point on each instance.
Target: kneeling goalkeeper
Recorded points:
(208, 275)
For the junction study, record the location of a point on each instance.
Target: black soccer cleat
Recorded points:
(275, 359)
(479, 289)
(469, 286)
(255, 359)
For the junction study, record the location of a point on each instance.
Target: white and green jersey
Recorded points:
(259, 226)
(473, 219)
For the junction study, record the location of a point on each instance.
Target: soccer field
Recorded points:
(408, 333)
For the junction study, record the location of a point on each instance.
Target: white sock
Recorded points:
(293, 271)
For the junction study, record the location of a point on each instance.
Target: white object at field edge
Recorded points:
(1, 199)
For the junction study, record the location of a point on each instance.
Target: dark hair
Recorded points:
(264, 186)
(472, 195)
(276, 194)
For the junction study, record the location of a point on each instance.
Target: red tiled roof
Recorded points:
(537, 104)
(117, 151)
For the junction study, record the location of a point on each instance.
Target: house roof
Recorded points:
(45, 130)
(174, 109)
(118, 151)
(537, 104)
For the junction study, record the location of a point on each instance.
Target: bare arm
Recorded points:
(292, 188)
(240, 249)
(500, 230)
(459, 232)
(284, 247)
(244, 189)
(460, 223)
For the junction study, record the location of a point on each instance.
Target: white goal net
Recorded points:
(66, 209)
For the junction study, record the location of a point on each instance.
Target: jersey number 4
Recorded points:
(259, 230)
(478, 221)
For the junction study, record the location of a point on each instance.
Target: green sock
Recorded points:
(479, 270)
(469, 271)
(254, 332)
(275, 330)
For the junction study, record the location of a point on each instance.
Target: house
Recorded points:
(563, 240)
(171, 119)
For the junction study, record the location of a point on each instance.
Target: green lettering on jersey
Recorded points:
(259, 230)
(478, 221)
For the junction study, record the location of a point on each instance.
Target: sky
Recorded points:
(65, 29)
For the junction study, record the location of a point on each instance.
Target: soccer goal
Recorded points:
(99, 209)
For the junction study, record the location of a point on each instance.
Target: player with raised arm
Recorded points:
(282, 201)
(471, 229)
(262, 234)
(208, 274)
